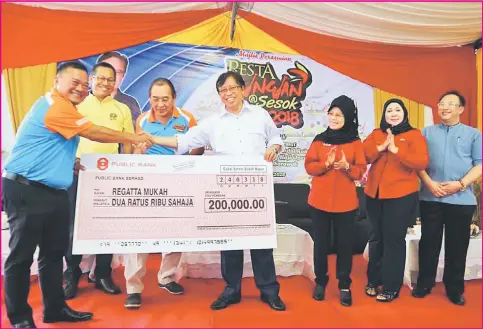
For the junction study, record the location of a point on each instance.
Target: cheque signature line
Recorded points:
(117, 217)
(207, 227)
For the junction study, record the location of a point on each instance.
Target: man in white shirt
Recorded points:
(239, 129)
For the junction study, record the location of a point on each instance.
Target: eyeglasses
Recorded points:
(229, 89)
(449, 104)
(110, 81)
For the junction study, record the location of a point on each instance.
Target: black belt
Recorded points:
(22, 180)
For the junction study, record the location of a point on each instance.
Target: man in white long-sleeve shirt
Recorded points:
(239, 129)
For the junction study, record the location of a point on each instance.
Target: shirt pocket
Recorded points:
(463, 148)
(255, 138)
(222, 141)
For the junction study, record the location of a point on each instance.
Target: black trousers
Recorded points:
(343, 224)
(263, 271)
(456, 220)
(37, 217)
(389, 220)
(73, 271)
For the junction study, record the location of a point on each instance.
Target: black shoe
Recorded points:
(275, 303)
(24, 324)
(70, 289)
(108, 286)
(371, 290)
(345, 297)
(172, 287)
(319, 292)
(66, 314)
(456, 299)
(387, 296)
(223, 302)
(133, 301)
(420, 292)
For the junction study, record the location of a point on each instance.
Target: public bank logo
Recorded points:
(102, 164)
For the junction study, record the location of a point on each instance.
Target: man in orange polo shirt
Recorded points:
(34, 195)
(163, 119)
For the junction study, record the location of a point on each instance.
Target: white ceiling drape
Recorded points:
(440, 24)
(437, 24)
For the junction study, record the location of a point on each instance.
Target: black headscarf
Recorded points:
(350, 131)
(400, 128)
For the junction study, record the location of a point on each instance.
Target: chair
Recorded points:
(291, 207)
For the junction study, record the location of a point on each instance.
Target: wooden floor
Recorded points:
(160, 309)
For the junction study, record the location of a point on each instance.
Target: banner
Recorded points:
(295, 90)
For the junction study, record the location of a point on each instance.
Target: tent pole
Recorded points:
(234, 11)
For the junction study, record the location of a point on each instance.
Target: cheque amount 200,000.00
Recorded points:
(242, 204)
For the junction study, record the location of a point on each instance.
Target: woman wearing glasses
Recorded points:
(335, 159)
(397, 152)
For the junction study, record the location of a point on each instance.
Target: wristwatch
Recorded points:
(463, 185)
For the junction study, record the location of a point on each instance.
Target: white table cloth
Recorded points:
(293, 256)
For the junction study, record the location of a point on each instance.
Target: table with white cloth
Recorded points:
(411, 270)
(293, 256)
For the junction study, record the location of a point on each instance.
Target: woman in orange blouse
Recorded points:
(335, 159)
(397, 152)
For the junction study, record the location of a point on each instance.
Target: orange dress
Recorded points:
(395, 175)
(334, 190)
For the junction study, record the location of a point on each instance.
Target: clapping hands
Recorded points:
(388, 143)
(329, 162)
(342, 163)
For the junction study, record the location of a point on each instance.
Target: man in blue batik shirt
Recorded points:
(446, 198)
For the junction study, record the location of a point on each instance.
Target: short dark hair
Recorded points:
(235, 75)
(457, 94)
(106, 65)
(71, 65)
(114, 54)
(163, 82)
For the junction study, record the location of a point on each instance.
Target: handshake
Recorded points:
(142, 142)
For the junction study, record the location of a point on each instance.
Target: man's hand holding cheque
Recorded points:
(272, 152)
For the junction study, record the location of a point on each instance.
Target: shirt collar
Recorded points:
(443, 126)
(245, 108)
(94, 98)
(152, 117)
(54, 93)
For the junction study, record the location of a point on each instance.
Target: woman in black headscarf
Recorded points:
(335, 160)
(397, 152)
